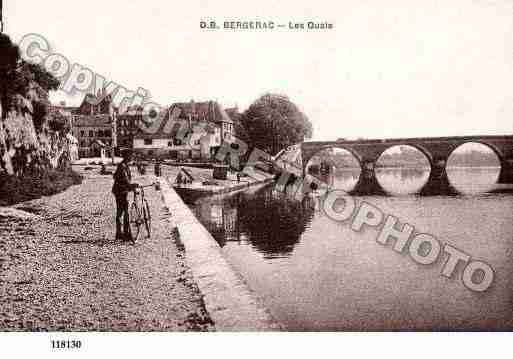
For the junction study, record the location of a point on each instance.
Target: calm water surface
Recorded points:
(317, 274)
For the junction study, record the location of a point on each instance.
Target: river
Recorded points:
(317, 274)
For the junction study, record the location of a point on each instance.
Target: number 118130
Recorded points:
(66, 344)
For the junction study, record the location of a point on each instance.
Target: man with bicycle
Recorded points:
(122, 186)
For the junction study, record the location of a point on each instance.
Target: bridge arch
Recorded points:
(306, 158)
(367, 160)
(500, 155)
(436, 149)
(350, 160)
(403, 169)
(426, 152)
(362, 158)
(474, 167)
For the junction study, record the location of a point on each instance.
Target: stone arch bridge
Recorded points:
(436, 149)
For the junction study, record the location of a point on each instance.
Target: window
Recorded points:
(100, 133)
(91, 133)
(148, 141)
(82, 133)
(107, 133)
(170, 144)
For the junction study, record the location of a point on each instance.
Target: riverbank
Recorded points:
(62, 269)
(228, 300)
(96, 161)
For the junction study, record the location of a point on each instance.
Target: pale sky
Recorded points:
(387, 69)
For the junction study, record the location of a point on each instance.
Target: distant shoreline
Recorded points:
(411, 167)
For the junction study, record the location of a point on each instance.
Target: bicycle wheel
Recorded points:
(135, 221)
(147, 217)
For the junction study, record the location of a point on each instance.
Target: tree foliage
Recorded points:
(18, 77)
(10, 81)
(273, 122)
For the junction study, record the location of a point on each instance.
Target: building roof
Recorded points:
(180, 113)
(161, 132)
(100, 103)
(210, 111)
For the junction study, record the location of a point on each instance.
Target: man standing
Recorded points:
(122, 186)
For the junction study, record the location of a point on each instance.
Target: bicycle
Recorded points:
(139, 213)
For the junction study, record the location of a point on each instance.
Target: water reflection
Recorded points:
(473, 180)
(340, 279)
(270, 221)
(397, 181)
(406, 181)
(402, 170)
(273, 222)
(473, 168)
(317, 274)
(344, 179)
(401, 181)
(336, 167)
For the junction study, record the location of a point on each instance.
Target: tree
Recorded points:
(273, 122)
(18, 78)
(10, 81)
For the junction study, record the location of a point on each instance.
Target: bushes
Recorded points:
(15, 189)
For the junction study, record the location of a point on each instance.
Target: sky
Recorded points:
(386, 69)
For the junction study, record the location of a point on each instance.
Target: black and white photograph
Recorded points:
(301, 170)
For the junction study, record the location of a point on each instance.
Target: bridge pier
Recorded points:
(368, 184)
(438, 182)
(506, 174)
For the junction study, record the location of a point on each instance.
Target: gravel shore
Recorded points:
(63, 269)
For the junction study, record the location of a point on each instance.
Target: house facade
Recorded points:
(93, 133)
(89, 133)
(127, 126)
(189, 130)
(92, 125)
(193, 130)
